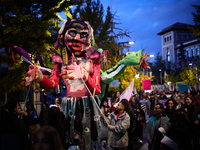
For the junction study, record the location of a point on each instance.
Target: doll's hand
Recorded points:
(39, 75)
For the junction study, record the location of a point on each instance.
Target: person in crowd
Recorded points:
(57, 101)
(170, 107)
(159, 119)
(193, 112)
(116, 96)
(105, 109)
(150, 105)
(140, 119)
(112, 108)
(44, 96)
(173, 96)
(31, 117)
(44, 114)
(141, 96)
(132, 128)
(176, 134)
(162, 96)
(156, 96)
(47, 138)
(144, 96)
(118, 125)
(196, 98)
(14, 135)
(59, 122)
(20, 112)
(180, 105)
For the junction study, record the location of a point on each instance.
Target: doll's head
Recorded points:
(77, 37)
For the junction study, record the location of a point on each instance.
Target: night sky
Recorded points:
(145, 18)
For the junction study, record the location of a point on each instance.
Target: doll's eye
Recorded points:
(83, 34)
(72, 33)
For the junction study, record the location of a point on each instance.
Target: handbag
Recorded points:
(140, 118)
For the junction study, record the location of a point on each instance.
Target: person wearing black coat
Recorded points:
(14, 135)
(176, 134)
(170, 107)
(193, 112)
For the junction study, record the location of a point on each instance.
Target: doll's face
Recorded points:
(76, 40)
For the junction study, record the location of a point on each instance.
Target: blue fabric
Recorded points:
(137, 100)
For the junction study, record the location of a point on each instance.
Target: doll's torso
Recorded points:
(75, 87)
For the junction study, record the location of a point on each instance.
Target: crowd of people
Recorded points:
(175, 125)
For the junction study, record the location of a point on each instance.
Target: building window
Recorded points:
(170, 38)
(165, 39)
(188, 54)
(197, 51)
(168, 55)
(179, 37)
(192, 53)
(189, 36)
(184, 37)
(177, 54)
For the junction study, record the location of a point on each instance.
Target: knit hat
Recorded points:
(137, 100)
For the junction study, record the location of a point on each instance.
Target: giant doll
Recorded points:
(79, 65)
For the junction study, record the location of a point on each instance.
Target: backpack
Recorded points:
(99, 146)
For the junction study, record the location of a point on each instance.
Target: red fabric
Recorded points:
(118, 115)
(112, 109)
(52, 82)
(197, 101)
(94, 81)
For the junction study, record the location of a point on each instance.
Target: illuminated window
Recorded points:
(168, 55)
(197, 51)
(192, 52)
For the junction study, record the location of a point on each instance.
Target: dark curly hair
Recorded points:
(126, 104)
(175, 103)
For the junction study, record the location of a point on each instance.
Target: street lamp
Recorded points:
(160, 76)
(128, 42)
(150, 55)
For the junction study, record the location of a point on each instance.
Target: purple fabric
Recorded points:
(44, 72)
(39, 58)
(23, 53)
(92, 50)
(96, 55)
(70, 23)
(57, 42)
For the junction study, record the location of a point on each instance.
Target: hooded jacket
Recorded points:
(118, 132)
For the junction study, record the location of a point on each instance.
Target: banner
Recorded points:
(127, 93)
(114, 83)
(183, 87)
(135, 92)
(146, 84)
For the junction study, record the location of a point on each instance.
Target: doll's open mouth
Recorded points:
(76, 46)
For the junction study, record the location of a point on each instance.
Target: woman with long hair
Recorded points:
(193, 112)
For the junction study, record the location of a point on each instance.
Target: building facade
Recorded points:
(178, 40)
